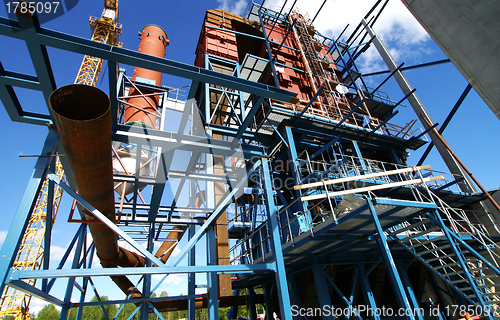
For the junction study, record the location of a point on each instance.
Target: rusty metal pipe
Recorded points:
(82, 117)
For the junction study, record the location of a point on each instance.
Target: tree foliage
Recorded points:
(49, 312)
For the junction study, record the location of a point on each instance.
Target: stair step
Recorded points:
(487, 294)
(446, 246)
(481, 268)
(420, 234)
(439, 258)
(421, 243)
(487, 302)
(454, 273)
(482, 277)
(458, 281)
(446, 265)
(463, 289)
(416, 224)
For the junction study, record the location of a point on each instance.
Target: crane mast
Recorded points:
(30, 255)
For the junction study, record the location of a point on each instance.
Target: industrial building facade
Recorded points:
(294, 180)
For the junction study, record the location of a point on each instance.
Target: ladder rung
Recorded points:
(439, 258)
(416, 224)
(421, 243)
(422, 233)
(446, 246)
(487, 294)
(458, 281)
(464, 289)
(451, 273)
(482, 277)
(446, 265)
(481, 268)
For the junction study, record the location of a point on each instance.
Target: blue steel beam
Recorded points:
(20, 80)
(275, 238)
(409, 290)
(446, 121)
(159, 186)
(322, 289)
(308, 105)
(13, 239)
(170, 140)
(221, 206)
(35, 292)
(75, 44)
(389, 264)
(64, 273)
(367, 291)
(248, 120)
(39, 55)
(317, 153)
(105, 220)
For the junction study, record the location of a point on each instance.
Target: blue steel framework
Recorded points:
(401, 219)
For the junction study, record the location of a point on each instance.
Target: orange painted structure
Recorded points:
(141, 108)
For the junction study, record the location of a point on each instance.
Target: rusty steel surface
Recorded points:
(83, 120)
(141, 109)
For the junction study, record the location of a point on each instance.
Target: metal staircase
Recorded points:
(456, 259)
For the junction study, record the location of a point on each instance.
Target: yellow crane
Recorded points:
(30, 255)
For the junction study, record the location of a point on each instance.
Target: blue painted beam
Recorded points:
(39, 55)
(75, 44)
(20, 221)
(249, 118)
(64, 273)
(161, 179)
(170, 141)
(105, 220)
(405, 203)
(322, 290)
(280, 276)
(33, 291)
(409, 290)
(367, 291)
(308, 105)
(389, 264)
(221, 206)
(20, 80)
(317, 153)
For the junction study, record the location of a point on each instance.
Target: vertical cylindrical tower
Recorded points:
(142, 106)
(141, 109)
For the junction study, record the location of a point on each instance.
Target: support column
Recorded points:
(366, 289)
(324, 298)
(21, 219)
(409, 290)
(191, 276)
(251, 304)
(294, 294)
(281, 282)
(292, 157)
(390, 265)
(71, 281)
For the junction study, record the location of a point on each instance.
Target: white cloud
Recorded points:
(237, 7)
(401, 32)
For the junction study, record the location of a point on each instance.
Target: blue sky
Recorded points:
(473, 133)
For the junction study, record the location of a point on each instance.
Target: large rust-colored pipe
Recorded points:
(83, 120)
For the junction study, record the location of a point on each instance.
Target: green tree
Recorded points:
(95, 312)
(49, 312)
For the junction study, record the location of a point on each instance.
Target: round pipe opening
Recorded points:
(79, 102)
